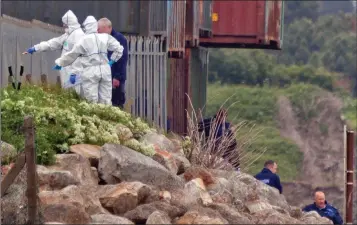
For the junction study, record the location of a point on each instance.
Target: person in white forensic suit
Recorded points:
(93, 48)
(73, 32)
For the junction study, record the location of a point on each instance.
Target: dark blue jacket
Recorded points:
(119, 68)
(329, 212)
(206, 124)
(269, 178)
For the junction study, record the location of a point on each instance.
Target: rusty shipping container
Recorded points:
(246, 24)
(187, 76)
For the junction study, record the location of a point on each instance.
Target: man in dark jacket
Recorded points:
(118, 68)
(324, 209)
(268, 175)
(223, 128)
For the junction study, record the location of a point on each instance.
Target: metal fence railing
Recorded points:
(147, 78)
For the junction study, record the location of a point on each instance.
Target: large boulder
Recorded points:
(109, 219)
(159, 141)
(271, 216)
(79, 167)
(118, 163)
(196, 193)
(158, 217)
(257, 206)
(123, 197)
(8, 153)
(68, 213)
(166, 159)
(83, 197)
(14, 202)
(314, 218)
(244, 185)
(201, 217)
(221, 191)
(91, 152)
(141, 213)
(182, 163)
(231, 214)
(54, 180)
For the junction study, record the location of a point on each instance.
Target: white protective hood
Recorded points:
(90, 25)
(71, 21)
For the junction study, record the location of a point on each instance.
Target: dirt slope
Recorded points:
(321, 141)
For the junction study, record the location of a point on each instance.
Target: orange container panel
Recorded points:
(246, 24)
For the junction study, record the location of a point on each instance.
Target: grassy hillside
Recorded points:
(259, 106)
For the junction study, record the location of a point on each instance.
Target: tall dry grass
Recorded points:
(208, 152)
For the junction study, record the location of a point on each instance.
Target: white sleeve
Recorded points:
(68, 58)
(52, 44)
(116, 48)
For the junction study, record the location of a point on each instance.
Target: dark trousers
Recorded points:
(118, 95)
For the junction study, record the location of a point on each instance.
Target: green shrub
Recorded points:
(62, 120)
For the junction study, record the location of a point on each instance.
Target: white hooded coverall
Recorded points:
(65, 42)
(93, 49)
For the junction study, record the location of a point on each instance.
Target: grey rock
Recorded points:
(118, 163)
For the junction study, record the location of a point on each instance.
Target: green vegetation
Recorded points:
(62, 119)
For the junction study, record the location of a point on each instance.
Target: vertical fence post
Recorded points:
(31, 169)
(344, 168)
(349, 177)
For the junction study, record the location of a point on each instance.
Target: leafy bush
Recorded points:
(62, 120)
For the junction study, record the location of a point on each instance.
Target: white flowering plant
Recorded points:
(62, 120)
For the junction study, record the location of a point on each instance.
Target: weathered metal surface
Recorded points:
(146, 79)
(246, 24)
(199, 78)
(176, 16)
(192, 23)
(205, 15)
(176, 94)
(158, 14)
(125, 15)
(187, 76)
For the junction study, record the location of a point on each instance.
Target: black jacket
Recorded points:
(269, 178)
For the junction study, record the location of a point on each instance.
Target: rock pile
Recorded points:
(113, 184)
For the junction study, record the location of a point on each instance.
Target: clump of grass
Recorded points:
(209, 151)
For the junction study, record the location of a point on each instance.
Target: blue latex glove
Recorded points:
(111, 62)
(72, 78)
(31, 50)
(57, 67)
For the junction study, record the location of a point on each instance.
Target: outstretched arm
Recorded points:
(116, 48)
(52, 44)
(68, 58)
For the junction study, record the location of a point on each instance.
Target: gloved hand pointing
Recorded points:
(30, 50)
(111, 62)
(57, 67)
(72, 78)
